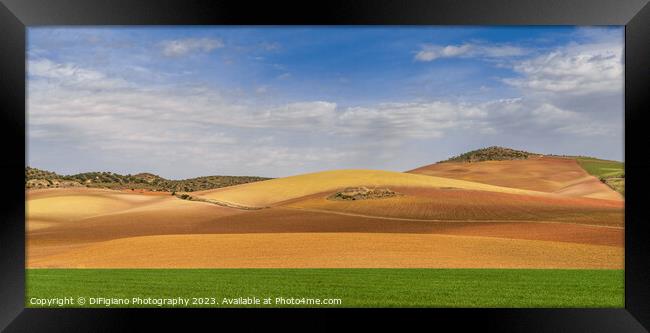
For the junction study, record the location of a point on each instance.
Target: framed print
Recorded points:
(479, 165)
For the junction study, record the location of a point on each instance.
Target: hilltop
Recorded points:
(36, 178)
(525, 167)
(510, 172)
(493, 153)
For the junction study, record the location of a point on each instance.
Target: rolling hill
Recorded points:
(275, 191)
(39, 179)
(493, 153)
(561, 175)
(532, 212)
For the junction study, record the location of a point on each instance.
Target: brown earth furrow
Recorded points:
(469, 205)
(445, 221)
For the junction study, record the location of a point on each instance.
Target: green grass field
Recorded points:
(354, 287)
(602, 168)
(611, 173)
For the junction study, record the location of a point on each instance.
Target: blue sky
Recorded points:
(277, 101)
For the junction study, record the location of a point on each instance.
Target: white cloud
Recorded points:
(297, 115)
(203, 128)
(576, 69)
(430, 52)
(540, 118)
(551, 114)
(272, 156)
(408, 120)
(181, 47)
(157, 113)
(71, 75)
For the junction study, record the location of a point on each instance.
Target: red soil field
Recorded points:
(545, 174)
(459, 204)
(333, 250)
(570, 222)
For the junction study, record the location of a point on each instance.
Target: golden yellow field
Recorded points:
(83, 216)
(330, 250)
(489, 214)
(74, 204)
(274, 191)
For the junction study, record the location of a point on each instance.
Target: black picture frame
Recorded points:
(17, 15)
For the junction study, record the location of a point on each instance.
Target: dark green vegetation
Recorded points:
(355, 287)
(362, 193)
(611, 173)
(35, 178)
(493, 153)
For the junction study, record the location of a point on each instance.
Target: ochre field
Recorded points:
(543, 212)
(546, 174)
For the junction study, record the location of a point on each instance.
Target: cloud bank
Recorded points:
(430, 52)
(570, 95)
